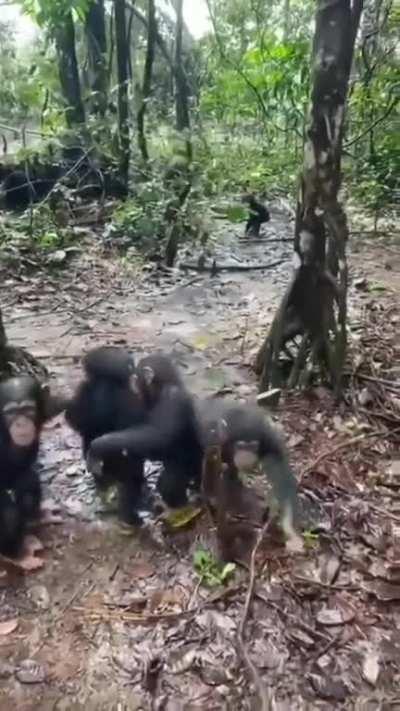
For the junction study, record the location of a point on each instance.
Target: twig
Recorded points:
(332, 643)
(264, 240)
(258, 683)
(334, 450)
(383, 512)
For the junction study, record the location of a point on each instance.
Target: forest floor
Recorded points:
(123, 623)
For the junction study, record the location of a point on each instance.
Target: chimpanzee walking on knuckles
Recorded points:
(247, 440)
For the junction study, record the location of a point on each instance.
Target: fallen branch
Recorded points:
(258, 683)
(229, 267)
(265, 240)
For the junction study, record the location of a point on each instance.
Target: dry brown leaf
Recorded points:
(30, 672)
(386, 592)
(370, 668)
(333, 617)
(7, 627)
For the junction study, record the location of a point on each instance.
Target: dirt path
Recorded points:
(121, 623)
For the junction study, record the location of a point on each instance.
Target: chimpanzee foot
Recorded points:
(27, 560)
(129, 521)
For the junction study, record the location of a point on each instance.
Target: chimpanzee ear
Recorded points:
(134, 383)
(223, 431)
(148, 375)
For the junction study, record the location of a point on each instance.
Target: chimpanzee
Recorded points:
(105, 402)
(20, 188)
(248, 439)
(16, 191)
(25, 406)
(170, 434)
(258, 215)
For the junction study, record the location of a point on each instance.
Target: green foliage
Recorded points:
(50, 13)
(140, 219)
(36, 232)
(311, 540)
(210, 571)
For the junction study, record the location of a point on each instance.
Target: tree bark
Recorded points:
(68, 71)
(181, 88)
(147, 78)
(97, 49)
(315, 304)
(123, 101)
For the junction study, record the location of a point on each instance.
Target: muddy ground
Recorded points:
(124, 623)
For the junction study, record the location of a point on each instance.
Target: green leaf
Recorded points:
(227, 571)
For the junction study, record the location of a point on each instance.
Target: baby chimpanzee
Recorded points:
(170, 434)
(248, 439)
(105, 402)
(25, 406)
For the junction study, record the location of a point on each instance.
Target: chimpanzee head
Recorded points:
(240, 442)
(153, 374)
(110, 362)
(246, 454)
(22, 410)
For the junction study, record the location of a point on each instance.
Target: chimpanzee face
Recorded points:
(22, 404)
(246, 454)
(20, 419)
(144, 383)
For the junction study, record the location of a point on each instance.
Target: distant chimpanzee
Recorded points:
(25, 406)
(106, 402)
(247, 440)
(258, 215)
(17, 191)
(22, 187)
(170, 434)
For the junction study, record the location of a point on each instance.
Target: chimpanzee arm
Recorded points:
(150, 440)
(276, 465)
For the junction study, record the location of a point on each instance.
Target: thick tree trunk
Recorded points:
(315, 304)
(147, 77)
(97, 48)
(123, 101)
(68, 71)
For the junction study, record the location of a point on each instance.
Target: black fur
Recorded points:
(170, 434)
(20, 488)
(106, 402)
(246, 423)
(258, 215)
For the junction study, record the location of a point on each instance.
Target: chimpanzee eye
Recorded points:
(11, 410)
(28, 412)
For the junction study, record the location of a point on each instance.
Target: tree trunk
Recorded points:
(3, 338)
(97, 49)
(315, 304)
(15, 360)
(123, 101)
(68, 71)
(181, 88)
(147, 77)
